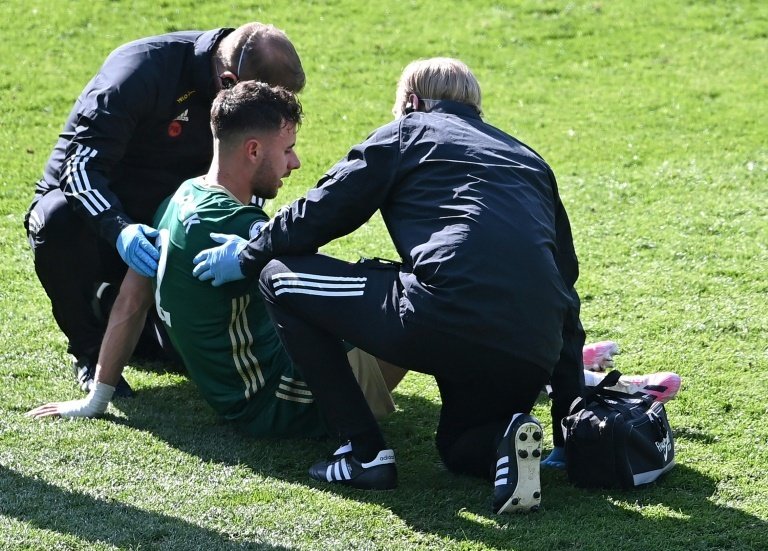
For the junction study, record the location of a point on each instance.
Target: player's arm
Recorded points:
(126, 322)
(344, 199)
(568, 375)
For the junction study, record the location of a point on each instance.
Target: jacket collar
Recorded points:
(204, 46)
(455, 108)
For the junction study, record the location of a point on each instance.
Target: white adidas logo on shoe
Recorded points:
(377, 474)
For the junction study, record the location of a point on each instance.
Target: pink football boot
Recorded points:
(599, 356)
(663, 385)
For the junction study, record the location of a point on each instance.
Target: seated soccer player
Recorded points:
(223, 334)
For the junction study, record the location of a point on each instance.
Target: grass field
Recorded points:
(653, 116)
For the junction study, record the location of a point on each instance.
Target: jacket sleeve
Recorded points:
(345, 198)
(108, 111)
(568, 375)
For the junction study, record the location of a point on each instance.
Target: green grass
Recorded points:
(653, 116)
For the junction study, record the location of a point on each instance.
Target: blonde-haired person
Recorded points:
(481, 298)
(440, 77)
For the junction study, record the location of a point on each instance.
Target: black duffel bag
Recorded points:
(617, 440)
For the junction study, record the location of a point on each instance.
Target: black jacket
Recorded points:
(476, 218)
(138, 130)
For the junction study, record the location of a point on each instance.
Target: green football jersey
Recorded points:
(224, 334)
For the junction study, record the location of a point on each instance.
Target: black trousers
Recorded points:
(316, 301)
(72, 262)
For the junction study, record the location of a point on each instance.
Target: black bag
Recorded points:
(614, 439)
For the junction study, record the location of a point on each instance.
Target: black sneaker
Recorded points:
(123, 389)
(104, 296)
(343, 468)
(517, 488)
(85, 371)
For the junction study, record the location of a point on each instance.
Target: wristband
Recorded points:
(92, 405)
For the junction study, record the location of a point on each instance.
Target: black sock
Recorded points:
(366, 445)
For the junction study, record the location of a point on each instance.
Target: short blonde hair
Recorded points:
(434, 79)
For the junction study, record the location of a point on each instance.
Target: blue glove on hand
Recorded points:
(221, 264)
(136, 250)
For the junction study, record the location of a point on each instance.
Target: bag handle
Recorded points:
(609, 380)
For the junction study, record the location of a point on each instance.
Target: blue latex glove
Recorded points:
(222, 263)
(137, 251)
(556, 459)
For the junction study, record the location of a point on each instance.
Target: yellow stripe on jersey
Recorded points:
(242, 340)
(251, 360)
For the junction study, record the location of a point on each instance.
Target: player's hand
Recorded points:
(53, 409)
(222, 263)
(92, 405)
(136, 249)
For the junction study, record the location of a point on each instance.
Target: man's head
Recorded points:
(254, 128)
(426, 81)
(260, 52)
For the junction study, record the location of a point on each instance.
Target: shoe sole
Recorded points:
(527, 495)
(372, 481)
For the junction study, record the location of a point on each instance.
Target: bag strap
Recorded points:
(591, 391)
(600, 391)
(600, 388)
(611, 379)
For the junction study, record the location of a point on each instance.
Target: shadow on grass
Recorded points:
(678, 512)
(94, 520)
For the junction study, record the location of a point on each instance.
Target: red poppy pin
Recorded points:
(174, 129)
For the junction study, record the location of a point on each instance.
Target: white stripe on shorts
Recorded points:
(318, 285)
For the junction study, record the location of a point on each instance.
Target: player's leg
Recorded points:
(315, 302)
(291, 411)
(391, 373)
(371, 378)
(485, 427)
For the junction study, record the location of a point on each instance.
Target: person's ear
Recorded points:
(253, 149)
(412, 104)
(228, 79)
